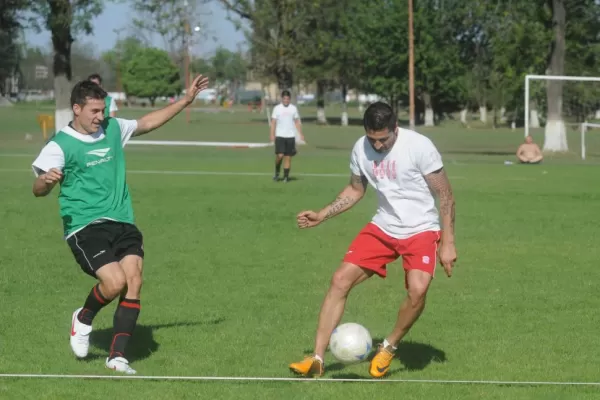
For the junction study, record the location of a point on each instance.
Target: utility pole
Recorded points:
(186, 61)
(411, 67)
(118, 67)
(186, 55)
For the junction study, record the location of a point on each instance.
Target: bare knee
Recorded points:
(112, 285)
(417, 295)
(135, 282)
(340, 283)
(346, 277)
(132, 267)
(418, 285)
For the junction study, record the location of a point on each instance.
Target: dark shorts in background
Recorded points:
(103, 243)
(285, 146)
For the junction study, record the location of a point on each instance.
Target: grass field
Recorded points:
(233, 288)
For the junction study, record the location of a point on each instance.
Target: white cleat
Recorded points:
(80, 336)
(120, 364)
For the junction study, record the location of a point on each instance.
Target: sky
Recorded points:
(219, 30)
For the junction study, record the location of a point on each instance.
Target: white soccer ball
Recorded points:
(350, 343)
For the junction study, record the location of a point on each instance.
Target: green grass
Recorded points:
(233, 288)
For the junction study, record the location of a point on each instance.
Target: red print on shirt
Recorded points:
(385, 170)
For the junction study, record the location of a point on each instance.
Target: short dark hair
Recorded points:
(96, 77)
(379, 116)
(286, 93)
(84, 90)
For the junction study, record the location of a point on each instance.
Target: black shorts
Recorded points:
(103, 243)
(285, 146)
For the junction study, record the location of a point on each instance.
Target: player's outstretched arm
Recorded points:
(45, 182)
(440, 185)
(344, 201)
(156, 119)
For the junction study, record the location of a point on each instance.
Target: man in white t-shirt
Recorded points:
(86, 159)
(285, 125)
(406, 170)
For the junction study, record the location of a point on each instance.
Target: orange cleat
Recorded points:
(309, 367)
(380, 364)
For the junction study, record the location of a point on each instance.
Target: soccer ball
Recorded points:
(350, 343)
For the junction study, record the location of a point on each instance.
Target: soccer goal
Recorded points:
(584, 129)
(578, 104)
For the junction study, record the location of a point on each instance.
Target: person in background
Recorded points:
(529, 152)
(111, 106)
(285, 123)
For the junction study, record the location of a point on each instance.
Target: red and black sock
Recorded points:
(93, 304)
(124, 322)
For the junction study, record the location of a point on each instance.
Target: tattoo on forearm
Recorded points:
(347, 198)
(440, 185)
(447, 208)
(338, 205)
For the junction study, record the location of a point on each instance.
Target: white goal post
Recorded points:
(528, 78)
(584, 128)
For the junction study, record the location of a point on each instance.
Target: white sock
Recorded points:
(386, 344)
(319, 358)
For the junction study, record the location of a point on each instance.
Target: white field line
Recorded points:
(233, 173)
(318, 380)
(224, 173)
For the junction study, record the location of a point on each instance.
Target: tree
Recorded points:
(437, 58)
(276, 28)
(518, 42)
(555, 135)
(85, 61)
(582, 58)
(151, 74)
(327, 55)
(10, 28)
(229, 68)
(173, 21)
(64, 19)
(123, 51)
(204, 66)
(32, 59)
(345, 62)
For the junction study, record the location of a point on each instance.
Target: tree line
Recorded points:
(470, 56)
(132, 65)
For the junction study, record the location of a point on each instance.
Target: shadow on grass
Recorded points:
(142, 344)
(414, 356)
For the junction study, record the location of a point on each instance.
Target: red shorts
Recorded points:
(373, 249)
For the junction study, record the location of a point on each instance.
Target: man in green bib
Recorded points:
(87, 159)
(111, 106)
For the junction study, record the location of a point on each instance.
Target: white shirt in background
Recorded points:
(286, 120)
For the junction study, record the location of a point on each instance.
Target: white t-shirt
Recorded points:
(52, 155)
(113, 105)
(286, 120)
(406, 204)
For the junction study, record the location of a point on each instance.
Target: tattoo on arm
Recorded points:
(440, 185)
(341, 203)
(358, 182)
(347, 198)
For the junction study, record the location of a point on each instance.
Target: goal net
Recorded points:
(561, 110)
